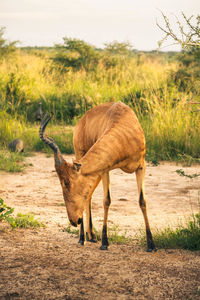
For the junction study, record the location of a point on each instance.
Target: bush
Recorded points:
(76, 54)
(20, 221)
(5, 211)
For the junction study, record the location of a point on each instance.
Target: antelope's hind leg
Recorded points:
(90, 235)
(106, 203)
(142, 202)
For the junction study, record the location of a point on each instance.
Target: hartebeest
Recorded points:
(107, 137)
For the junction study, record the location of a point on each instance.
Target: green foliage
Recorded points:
(62, 135)
(11, 161)
(15, 95)
(26, 221)
(76, 54)
(116, 238)
(6, 48)
(117, 48)
(5, 211)
(147, 82)
(187, 77)
(10, 128)
(20, 221)
(71, 230)
(184, 237)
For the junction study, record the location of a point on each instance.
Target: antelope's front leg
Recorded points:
(106, 204)
(81, 234)
(90, 235)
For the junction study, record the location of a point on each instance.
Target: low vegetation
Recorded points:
(185, 236)
(152, 84)
(19, 221)
(182, 237)
(113, 234)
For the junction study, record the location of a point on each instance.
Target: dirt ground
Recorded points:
(49, 264)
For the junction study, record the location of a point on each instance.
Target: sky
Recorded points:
(46, 22)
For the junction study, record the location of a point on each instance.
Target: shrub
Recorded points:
(20, 221)
(5, 211)
(76, 54)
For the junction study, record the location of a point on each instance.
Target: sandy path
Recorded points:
(49, 264)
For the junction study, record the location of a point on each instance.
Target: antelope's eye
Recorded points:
(67, 184)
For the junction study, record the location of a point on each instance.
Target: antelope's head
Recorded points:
(73, 184)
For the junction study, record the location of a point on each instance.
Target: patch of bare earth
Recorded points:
(49, 264)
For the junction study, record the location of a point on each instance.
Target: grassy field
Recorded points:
(159, 87)
(155, 85)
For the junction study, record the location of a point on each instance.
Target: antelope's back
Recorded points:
(110, 127)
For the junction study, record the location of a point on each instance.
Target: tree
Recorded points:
(77, 54)
(188, 35)
(117, 48)
(187, 77)
(6, 48)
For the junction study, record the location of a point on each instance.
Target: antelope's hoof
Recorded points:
(103, 247)
(151, 250)
(81, 242)
(92, 240)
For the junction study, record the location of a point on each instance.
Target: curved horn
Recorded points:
(48, 141)
(59, 160)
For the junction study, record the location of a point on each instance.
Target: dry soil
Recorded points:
(49, 263)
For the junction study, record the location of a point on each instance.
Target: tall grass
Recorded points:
(171, 128)
(144, 82)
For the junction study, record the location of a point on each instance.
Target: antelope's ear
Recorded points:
(76, 165)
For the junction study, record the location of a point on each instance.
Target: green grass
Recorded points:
(63, 136)
(182, 237)
(12, 128)
(146, 82)
(113, 234)
(11, 161)
(26, 221)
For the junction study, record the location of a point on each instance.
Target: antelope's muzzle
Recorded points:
(80, 220)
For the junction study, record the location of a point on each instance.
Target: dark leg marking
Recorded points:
(108, 199)
(141, 200)
(150, 243)
(105, 243)
(82, 236)
(93, 237)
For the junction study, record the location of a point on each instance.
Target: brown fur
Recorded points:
(107, 137)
